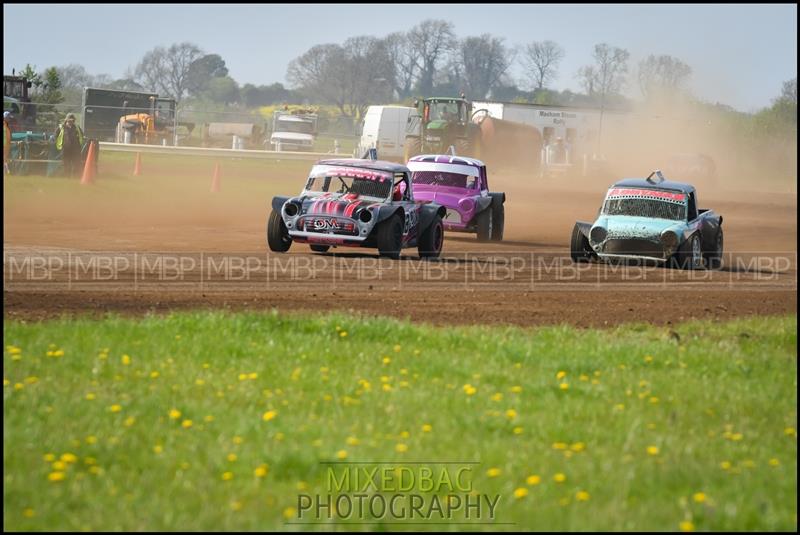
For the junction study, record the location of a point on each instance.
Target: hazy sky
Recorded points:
(740, 54)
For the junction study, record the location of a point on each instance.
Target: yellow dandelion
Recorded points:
(31, 380)
(126, 360)
(511, 414)
(59, 466)
(90, 396)
(237, 440)
(227, 476)
(401, 448)
(56, 476)
(559, 445)
(686, 525)
(232, 457)
(652, 450)
(261, 471)
(583, 377)
(654, 400)
(386, 387)
(69, 458)
(725, 465)
(252, 376)
(469, 389)
(208, 418)
(174, 414)
(774, 462)
(427, 428)
(790, 431)
(91, 439)
(533, 480)
(560, 375)
(154, 374)
(559, 478)
(242, 376)
(352, 441)
(95, 470)
(158, 449)
(386, 360)
(578, 447)
(269, 415)
(206, 365)
(89, 461)
(397, 348)
(49, 457)
(341, 454)
(116, 408)
(289, 513)
(200, 382)
(582, 496)
(516, 389)
(497, 397)
(493, 472)
(343, 334)
(18, 386)
(648, 359)
(520, 492)
(564, 386)
(699, 497)
(28, 513)
(236, 505)
(186, 424)
(517, 430)
(129, 421)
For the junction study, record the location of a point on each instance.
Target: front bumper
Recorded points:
(633, 249)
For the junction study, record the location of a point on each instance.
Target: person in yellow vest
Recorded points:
(69, 140)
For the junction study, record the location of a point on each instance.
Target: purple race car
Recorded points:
(460, 185)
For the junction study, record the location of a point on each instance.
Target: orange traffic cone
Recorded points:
(215, 180)
(89, 166)
(137, 167)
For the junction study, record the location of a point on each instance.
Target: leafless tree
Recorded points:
(166, 70)
(430, 42)
(662, 74)
(404, 62)
(482, 62)
(607, 75)
(540, 60)
(351, 76)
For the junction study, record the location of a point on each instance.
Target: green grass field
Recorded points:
(218, 421)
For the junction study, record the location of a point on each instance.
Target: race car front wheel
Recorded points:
(485, 225)
(498, 222)
(579, 249)
(430, 243)
(390, 237)
(277, 234)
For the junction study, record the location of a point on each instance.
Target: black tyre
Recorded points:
(412, 147)
(390, 237)
(430, 243)
(277, 235)
(579, 249)
(320, 248)
(498, 221)
(714, 256)
(689, 255)
(484, 224)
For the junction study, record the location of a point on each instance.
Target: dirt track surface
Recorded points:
(169, 252)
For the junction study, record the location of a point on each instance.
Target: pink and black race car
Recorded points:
(461, 186)
(357, 203)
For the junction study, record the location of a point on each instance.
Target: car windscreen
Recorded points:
(438, 178)
(352, 180)
(645, 203)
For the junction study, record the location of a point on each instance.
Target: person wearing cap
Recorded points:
(69, 140)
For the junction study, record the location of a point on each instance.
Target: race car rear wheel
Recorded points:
(320, 248)
(579, 249)
(484, 224)
(714, 257)
(390, 237)
(498, 222)
(277, 235)
(430, 243)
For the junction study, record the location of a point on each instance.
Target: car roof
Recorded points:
(644, 183)
(378, 165)
(447, 158)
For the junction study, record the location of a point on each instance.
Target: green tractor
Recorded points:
(442, 122)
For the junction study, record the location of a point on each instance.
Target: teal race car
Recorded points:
(654, 220)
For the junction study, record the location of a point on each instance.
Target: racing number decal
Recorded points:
(412, 218)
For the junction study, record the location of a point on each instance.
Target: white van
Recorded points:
(384, 129)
